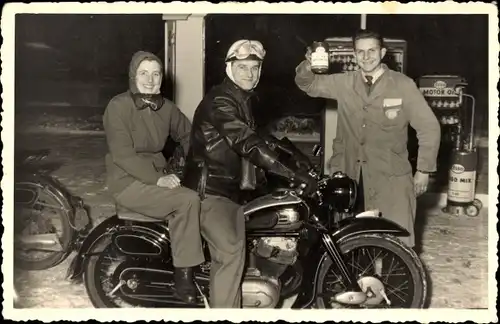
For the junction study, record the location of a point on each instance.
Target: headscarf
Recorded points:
(143, 100)
(244, 49)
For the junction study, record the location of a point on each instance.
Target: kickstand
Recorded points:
(205, 301)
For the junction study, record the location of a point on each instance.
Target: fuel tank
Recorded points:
(278, 211)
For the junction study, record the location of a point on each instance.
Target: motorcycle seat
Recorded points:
(129, 215)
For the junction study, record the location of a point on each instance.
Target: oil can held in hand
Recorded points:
(319, 58)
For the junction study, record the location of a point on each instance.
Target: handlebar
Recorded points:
(299, 190)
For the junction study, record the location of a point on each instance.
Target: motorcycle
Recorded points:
(297, 247)
(45, 229)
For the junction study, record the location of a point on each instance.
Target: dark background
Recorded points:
(82, 60)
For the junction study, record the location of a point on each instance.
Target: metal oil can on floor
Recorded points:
(462, 184)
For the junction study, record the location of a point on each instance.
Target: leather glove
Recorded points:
(298, 157)
(310, 182)
(302, 162)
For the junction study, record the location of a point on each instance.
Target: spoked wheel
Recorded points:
(113, 280)
(389, 272)
(42, 229)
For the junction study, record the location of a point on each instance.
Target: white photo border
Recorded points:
(7, 136)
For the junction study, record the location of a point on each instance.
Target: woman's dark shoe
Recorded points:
(184, 285)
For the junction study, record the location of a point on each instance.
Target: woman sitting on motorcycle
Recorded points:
(137, 124)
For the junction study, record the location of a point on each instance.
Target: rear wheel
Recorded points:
(41, 216)
(390, 271)
(109, 286)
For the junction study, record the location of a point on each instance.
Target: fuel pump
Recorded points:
(445, 95)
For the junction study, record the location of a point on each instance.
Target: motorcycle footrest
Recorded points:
(199, 300)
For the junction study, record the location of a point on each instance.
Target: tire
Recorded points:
(472, 210)
(478, 203)
(387, 242)
(64, 215)
(91, 277)
(94, 288)
(89, 274)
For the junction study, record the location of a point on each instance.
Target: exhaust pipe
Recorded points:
(40, 242)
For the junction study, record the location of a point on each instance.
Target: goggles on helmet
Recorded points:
(246, 49)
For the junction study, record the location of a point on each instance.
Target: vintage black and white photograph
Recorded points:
(220, 157)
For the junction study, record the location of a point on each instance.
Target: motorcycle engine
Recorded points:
(279, 250)
(259, 291)
(272, 256)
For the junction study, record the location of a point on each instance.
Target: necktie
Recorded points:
(369, 82)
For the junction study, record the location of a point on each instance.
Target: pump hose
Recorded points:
(473, 114)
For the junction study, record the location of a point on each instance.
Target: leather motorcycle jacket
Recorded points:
(223, 132)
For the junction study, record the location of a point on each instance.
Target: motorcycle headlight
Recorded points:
(340, 192)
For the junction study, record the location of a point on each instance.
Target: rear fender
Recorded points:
(74, 202)
(52, 186)
(68, 201)
(153, 234)
(363, 223)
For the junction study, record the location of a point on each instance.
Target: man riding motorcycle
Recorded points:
(226, 157)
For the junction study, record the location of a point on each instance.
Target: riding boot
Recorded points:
(184, 285)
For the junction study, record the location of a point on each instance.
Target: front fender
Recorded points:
(347, 227)
(367, 224)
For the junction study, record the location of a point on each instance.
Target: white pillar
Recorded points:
(189, 63)
(169, 58)
(185, 59)
(363, 21)
(330, 117)
(168, 46)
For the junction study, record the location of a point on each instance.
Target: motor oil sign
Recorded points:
(440, 89)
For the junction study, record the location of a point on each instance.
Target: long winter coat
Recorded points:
(136, 135)
(372, 135)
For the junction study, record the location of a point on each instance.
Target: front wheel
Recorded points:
(390, 272)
